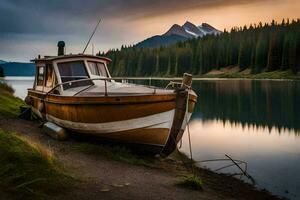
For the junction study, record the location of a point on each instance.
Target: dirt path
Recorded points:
(101, 178)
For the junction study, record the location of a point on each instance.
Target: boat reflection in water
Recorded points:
(254, 121)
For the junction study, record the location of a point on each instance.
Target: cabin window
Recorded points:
(40, 76)
(71, 71)
(49, 76)
(97, 68)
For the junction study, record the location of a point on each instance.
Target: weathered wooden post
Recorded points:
(187, 80)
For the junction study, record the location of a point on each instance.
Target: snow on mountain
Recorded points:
(178, 30)
(191, 33)
(189, 30)
(208, 29)
(192, 29)
(179, 33)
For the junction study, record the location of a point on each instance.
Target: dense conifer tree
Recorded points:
(267, 47)
(1, 72)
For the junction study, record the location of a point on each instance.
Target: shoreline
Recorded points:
(79, 163)
(200, 171)
(112, 172)
(22, 78)
(214, 76)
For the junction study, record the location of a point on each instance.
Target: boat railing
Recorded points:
(95, 79)
(175, 84)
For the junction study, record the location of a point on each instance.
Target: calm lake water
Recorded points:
(20, 84)
(254, 121)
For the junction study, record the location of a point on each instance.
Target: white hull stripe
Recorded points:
(161, 120)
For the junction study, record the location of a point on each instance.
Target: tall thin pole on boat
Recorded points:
(92, 48)
(91, 36)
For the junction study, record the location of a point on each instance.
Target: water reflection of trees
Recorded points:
(256, 104)
(250, 103)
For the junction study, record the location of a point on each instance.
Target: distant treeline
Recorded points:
(17, 69)
(259, 47)
(1, 72)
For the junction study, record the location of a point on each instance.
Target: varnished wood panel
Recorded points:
(106, 113)
(106, 109)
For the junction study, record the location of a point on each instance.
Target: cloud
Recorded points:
(28, 23)
(56, 16)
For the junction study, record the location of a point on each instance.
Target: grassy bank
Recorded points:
(288, 74)
(191, 182)
(9, 104)
(27, 170)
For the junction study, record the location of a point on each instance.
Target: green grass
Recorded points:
(9, 104)
(28, 171)
(7, 88)
(191, 182)
(116, 153)
(278, 74)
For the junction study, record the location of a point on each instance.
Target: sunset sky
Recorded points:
(29, 28)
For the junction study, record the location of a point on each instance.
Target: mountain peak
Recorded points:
(2, 61)
(187, 23)
(175, 27)
(192, 29)
(179, 33)
(207, 25)
(208, 29)
(177, 30)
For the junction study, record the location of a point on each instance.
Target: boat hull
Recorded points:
(146, 120)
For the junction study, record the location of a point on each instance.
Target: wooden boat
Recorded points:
(77, 93)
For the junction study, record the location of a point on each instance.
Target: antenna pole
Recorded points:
(91, 36)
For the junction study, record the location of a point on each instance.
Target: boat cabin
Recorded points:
(82, 75)
(54, 70)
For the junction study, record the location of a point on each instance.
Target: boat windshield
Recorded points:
(74, 70)
(97, 69)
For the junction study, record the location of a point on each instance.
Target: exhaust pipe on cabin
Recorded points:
(61, 48)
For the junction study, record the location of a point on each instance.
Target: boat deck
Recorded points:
(115, 89)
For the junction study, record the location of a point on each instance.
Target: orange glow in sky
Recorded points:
(221, 17)
(124, 22)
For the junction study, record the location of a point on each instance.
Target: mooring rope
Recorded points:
(235, 162)
(189, 134)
